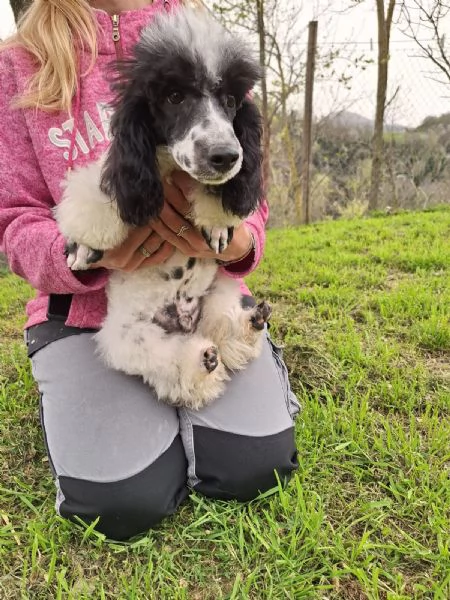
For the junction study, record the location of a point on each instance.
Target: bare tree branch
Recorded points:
(420, 15)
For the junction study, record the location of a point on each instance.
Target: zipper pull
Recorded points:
(116, 30)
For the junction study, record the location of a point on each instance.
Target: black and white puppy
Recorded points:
(181, 103)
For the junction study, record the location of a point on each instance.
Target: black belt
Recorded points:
(54, 328)
(59, 306)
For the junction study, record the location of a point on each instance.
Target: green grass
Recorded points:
(362, 308)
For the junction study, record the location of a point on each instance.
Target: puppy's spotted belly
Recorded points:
(180, 316)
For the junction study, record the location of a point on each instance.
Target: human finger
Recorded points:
(119, 257)
(176, 198)
(182, 229)
(170, 236)
(185, 185)
(150, 245)
(184, 182)
(163, 253)
(131, 254)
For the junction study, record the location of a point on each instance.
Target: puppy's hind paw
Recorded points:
(260, 315)
(218, 238)
(79, 257)
(211, 358)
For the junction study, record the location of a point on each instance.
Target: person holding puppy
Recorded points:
(116, 452)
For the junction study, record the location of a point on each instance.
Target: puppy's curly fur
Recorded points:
(181, 103)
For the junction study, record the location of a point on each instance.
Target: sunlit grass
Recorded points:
(362, 308)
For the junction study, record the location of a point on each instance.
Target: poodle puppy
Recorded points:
(181, 103)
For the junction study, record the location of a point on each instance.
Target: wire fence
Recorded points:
(416, 171)
(413, 90)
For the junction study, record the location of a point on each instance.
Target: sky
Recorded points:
(6, 19)
(416, 94)
(355, 31)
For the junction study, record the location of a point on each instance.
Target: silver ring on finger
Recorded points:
(182, 230)
(143, 250)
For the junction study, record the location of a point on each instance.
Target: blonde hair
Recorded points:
(52, 31)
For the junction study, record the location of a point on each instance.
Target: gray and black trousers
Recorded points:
(119, 454)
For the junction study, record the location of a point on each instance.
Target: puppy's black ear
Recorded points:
(130, 174)
(242, 194)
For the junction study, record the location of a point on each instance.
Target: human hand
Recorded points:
(153, 244)
(173, 227)
(142, 248)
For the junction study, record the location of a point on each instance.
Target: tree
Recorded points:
(384, 21)
(425, 19)
(18, 6)
(265, 104)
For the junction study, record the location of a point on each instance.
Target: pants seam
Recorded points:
(44, 433)
(188, 441)
(284, 380)
(60, 498)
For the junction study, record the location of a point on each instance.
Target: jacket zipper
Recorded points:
(116, 35)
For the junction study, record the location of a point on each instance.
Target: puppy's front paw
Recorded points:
(79, 257)
(218, 238)
(260, 315)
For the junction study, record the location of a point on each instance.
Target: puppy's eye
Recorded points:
(175, 97)
(231, 101)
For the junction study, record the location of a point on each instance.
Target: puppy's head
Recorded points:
(202, 76)
(183, 90)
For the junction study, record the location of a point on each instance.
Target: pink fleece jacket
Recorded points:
(34, 157)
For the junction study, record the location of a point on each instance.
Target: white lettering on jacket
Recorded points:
(88, 134)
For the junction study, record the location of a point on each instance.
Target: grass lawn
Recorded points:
(362, 308)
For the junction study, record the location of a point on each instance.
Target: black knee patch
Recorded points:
(240, 467)
(130, 506)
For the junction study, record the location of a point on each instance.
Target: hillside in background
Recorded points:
(415, 174)
(351, 120)
(435, 123)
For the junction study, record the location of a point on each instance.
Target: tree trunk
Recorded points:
(384, 30)
(18, 6)
(304, 209)
(265, 103)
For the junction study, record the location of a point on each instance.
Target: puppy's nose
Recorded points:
(223, 158)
